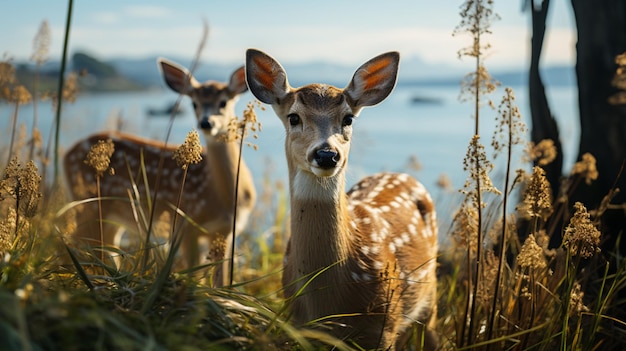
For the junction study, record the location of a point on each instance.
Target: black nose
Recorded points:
(326, 158)
(205, 123)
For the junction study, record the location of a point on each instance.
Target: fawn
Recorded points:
(209, 193)
(364, 261)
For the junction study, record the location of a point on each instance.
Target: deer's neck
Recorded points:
(320, 222)
(223, 161)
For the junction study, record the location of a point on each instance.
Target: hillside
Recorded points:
(95, 75)
(123, 74)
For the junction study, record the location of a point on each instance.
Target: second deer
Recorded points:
(209, 193)
(364, 263)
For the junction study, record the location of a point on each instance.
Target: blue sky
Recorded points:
(292, 31)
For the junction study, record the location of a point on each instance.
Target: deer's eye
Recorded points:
(347, 120)
(294, 119)
(222, 104)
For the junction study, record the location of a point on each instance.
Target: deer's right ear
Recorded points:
(237, 84)
(266, 78)
(176, 77)
(374, 80)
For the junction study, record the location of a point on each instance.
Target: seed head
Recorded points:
(444, 182)
(581, 236)
(537, 196)
(586, 168)
(190, 151)
(41, 44)
(478, 166)
(531, 255)
(7, 79)
(238, 129)
(510, 129)
(29, 188)
(99, 156)
(465, 230)
(21, 184)
(7, 231)
(543, 153)
(476, 19)
(576, 305)
(70, 90)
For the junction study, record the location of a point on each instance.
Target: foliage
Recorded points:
(513, 290)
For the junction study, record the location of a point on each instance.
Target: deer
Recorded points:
(362, 263)
(209, 193)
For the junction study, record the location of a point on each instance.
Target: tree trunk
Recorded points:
(544, 125)
(601, 28)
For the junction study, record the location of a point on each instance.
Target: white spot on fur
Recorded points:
(376, 237)
(405, 237)
(398, 242)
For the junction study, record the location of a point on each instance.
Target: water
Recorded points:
(385, 136)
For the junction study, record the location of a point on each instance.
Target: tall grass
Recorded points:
(516, 292)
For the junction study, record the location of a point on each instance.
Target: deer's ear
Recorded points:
(237, 84)
(374, 80)
(266, 78)
(176, 77)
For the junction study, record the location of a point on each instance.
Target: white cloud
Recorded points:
(146, 11)
(511, 46)
(106, 17)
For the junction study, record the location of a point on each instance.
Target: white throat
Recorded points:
(307, 186)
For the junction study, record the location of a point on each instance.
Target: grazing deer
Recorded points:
(364, 261)
(209, 192)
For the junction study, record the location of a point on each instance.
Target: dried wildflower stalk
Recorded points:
(510, 131)
(19, 96)
(22, 185)
(188, 153)
(41, 52)
(238, 131)
(99, 158)
(476, 18)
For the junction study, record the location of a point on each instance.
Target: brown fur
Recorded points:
(208, 197)
(363, 263)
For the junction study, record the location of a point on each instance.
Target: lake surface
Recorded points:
(385, 137)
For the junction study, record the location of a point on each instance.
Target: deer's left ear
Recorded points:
(237, 84)
(374, 80)
(177, 77)
(266, 78)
